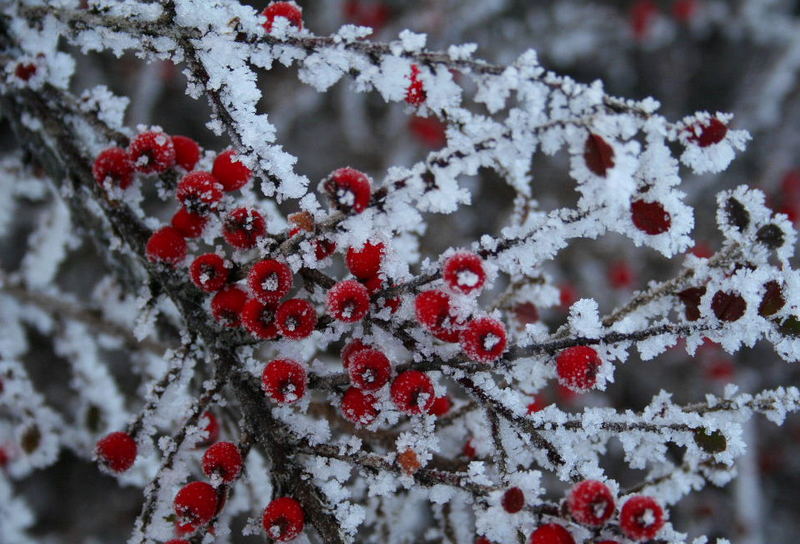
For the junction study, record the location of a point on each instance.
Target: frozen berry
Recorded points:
(116, 451)
(428, 130)
(199, 192)
(577, 367)
(211, 430)
(25, 70)
(259, 318)
(196, 503)
(484, 339)
(348, 189)
(4, 457)
(231, 173)
(296, 318)
(708, 133)
(620, 275)
(536, 405)
(434, 312)
(440, 406)
(567, 295)
(324, 248)
(773, 299)
(642, 13)
(551, 533)
(243, 227)
(369, 369)
(113, 166)
(483, 540)
(415, 93)
(365, 263)
(190, 225)
(728, 306)
(209, 272)
(223, 459)
(284, 380)
(270, 280)
(289, 10)
(598, 154)
(463, 272)
(152, 152)
(526, 312)
(359, 407)
(469, 449)
(412, 392)
(348, 301)
(351, 349)
(187, 152)
(513, 500)
(591, 503)
(227, 305)
(650, 217)
(284, 517)
(166, 245)
(684, 10)
(641, 518)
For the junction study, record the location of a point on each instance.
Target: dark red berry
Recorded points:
(187, 152)
(211, 430)
(463, 272)
(469, 449)
(270, 280)
(577, 367)
(113, 166)
(4, 457)
(513, 500)
(536, 405)
(415, 93)
(484, 339)
(650, 217)
(620, 275)
(598, 154)
(296, 318)
(684, 10)
(483, 540)
(728, 306)
(152, 152)
(348, 301)
(289, 10)
(199, 192)
(243, 227)
(259, 318)
(642, 13)
(283, 519)
(365, 263)
(434, 312)
(348, 189)
(526, 312)
(691, 300)
(591, 503)
(709, 133)
(351, 349)
(116, 451)
(227, 305)
(25, 70)
(641, 518)
(412, 392)
(196, 503)
(209, 272)
(166, 245)
(359, 407)
(428, 130)
(369, 369)
(190, 225)
(324, 248)
(224, 460)
(773, 299)
(284, 380)
(231, 173)
(551, 533)
(440, 406)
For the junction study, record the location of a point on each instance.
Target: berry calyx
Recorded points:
(223, 459)
(577, 367)
(440, 406)
(484, 339)
(190, 225)
(359, 407)
(641, 518)
(348, 189)
(231, 173)
(270, 280)
(166, 245)
(435, 314)
(296, 318)
(365, 263)
(348, 301)
(709, 133)
(591, 503)
(113, 166)
(415, 93)
(259, 318)
(227, 305)
(551, 533)
(513, 500)
(288, 10)
(187, 152)
(284, 380)
(152, 152)
(116, 451)
(464, 273)
(199, 192)
(196, 503)
(412, 392)
(369, 369)
(208, 272)
(243, 227)
(650, 217)
(283, 519)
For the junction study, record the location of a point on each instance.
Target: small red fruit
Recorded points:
(709, 133)
(365, 263)
(284, 380)
(369, 369)
(641, 518)
(567, 295)
(270, 280)
(428, 130)
(152, 152)
(591, 503)
(211, 429)
(684, 10)
(650, 217)
(577, 367)
(114, 166)
(223, 459)
(352, 349)
(196, 503)
(190, 225)
(348, 301)
(513, 500)
(483, 540)
(440, 406)
(359, 407)
(641, 16)
(187, 152)
(415, 94)
(348, 189)
(243, 227)
(728, 306)
(598, 154)
(116, 451)
(463, 272)
(412, 392)
(25, 70)
(259, 318)
(435, 314)
(166, 245)
(227, 305)
(231, 173)
(620, 275)
(283, 519)
(289, 10)
(324, 248)
(484, 339)
(296, 318)
(209, 272)
(551, 533)
(199, 192)
(469, 449)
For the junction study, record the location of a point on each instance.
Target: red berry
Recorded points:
(536, 405)
(4, 457)
(199, 192)
(196, 503)
(428, 130)
(348, 301)
(369, 369)
(728, 306)
(166, 245)
(415, 94)
(227, 305)
(567, 295)
(187, 152)
(620, 275)
(223, 459)
(190, 225)
(483, 540)
(289, 10)
(708, 133)
(365, 263)
(211, 430)
(641, 518)
(684, 10)
(259, 318)
(359, 407)
(296, 318)
(440, 406)
(116, 451)
(463, 272)
(650, 217)
(114, 166)
(25, 70)
(526, 312)
(598, 154)
(243, 227)
(270, 280)
(352, 349)
(284, 380)
(152, 152)
(484, 339)
(231, 173)
(324, 248)
(577, 367)
(513, 500)
(469, 449)
(435, 314)
(591, 503)
(552, 533)
(412, 392)
(177, 541)
(348, 189)
(790, 183)
(283, 519)
(209, 272)
(641, 15)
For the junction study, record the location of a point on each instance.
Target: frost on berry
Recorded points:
(709, 133)
(115, 167)
(348, 301)
(199, 192)
(289, 10)
(283, 519)
(151, 152)
(269, 280)
(227, 305)
(415, 94)
(412, 392)
(116, 451)
(359, 407)
(296, 318)
(243, 227)
(211, 429)
(641, 518)
(195, 503)
(222, 459)
(348, 189)
(209, 272)
(483, 339)
(259, 318)
(433, 310)
(284, 380)
(369, 369)
(229, 172)
(166, 245)
(187, 152)
(577, 367)
(591, 503)
(464, 272)
(551, 533)
(365, 263)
